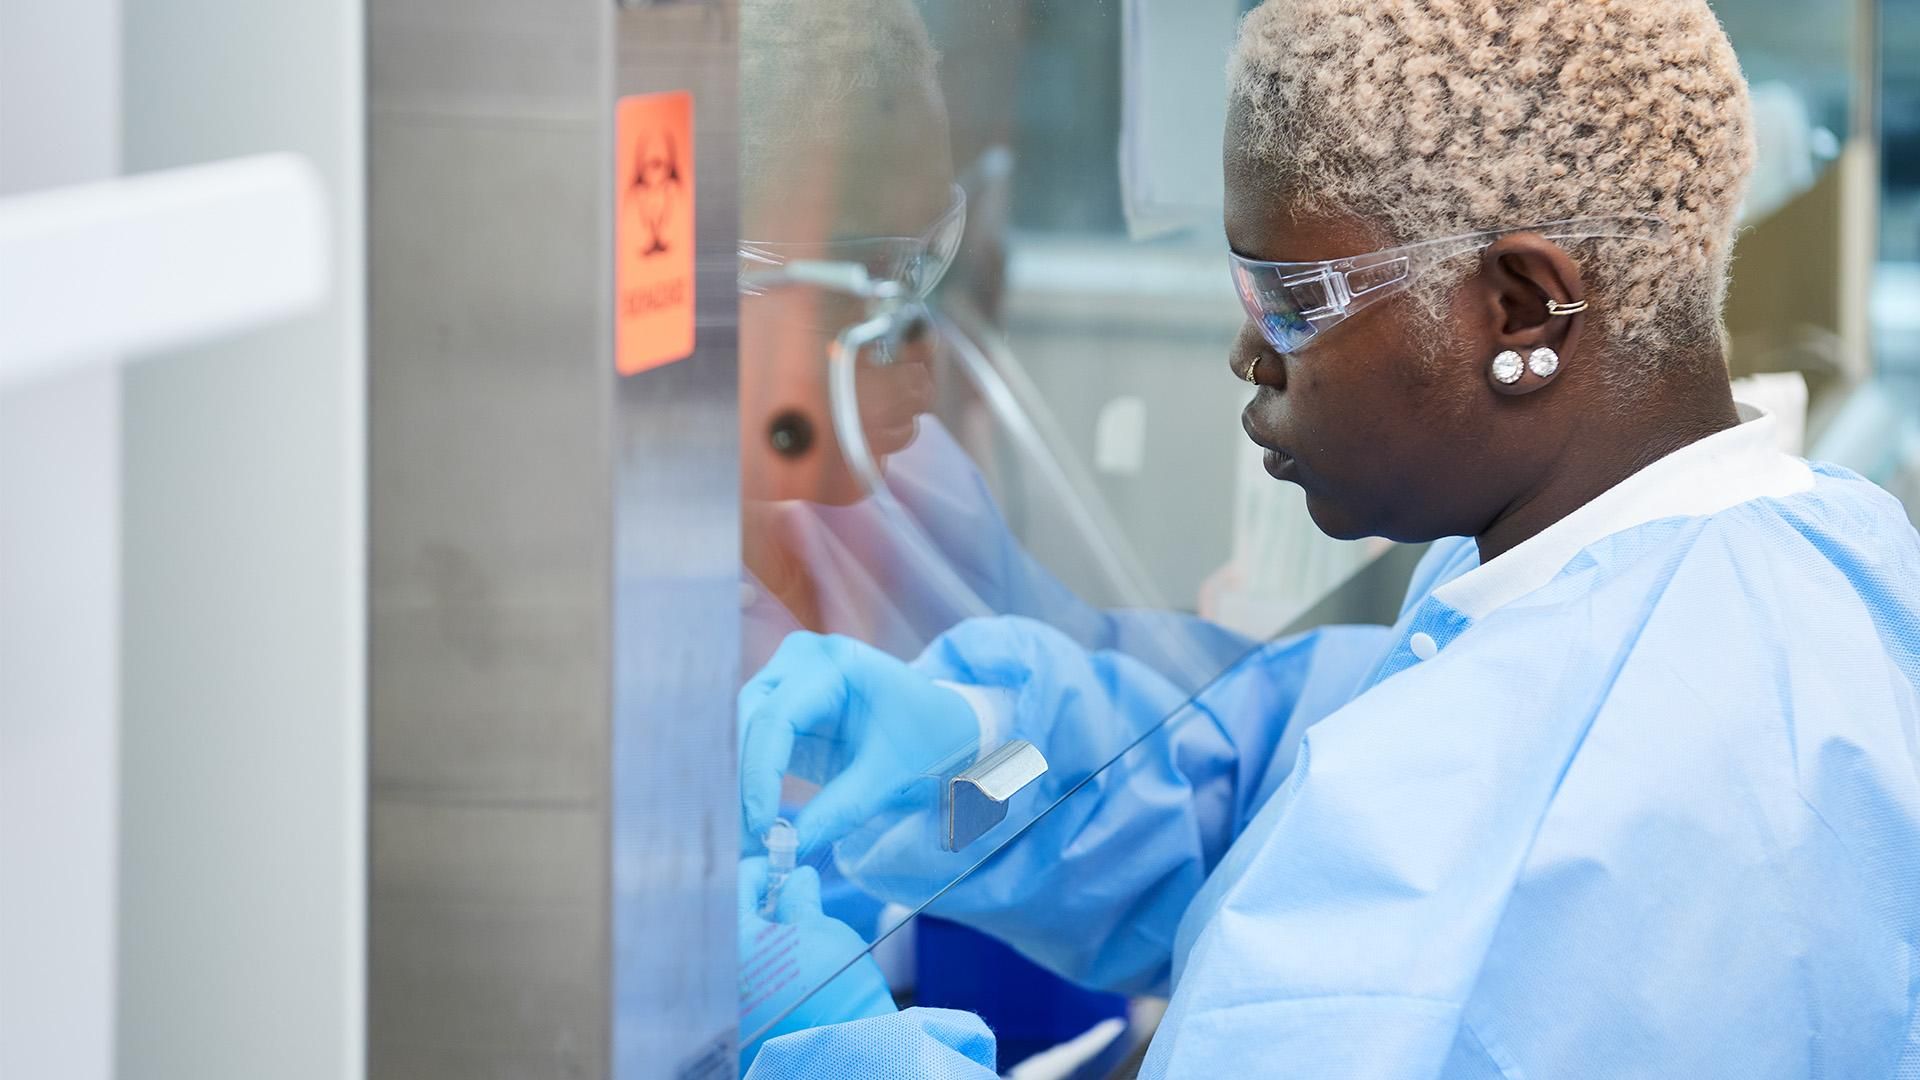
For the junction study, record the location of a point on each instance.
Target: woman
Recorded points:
(1631, 788)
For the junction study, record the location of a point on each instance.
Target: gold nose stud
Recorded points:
(1248, 374)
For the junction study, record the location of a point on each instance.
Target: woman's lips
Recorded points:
(1254, 431)
(1279, 463)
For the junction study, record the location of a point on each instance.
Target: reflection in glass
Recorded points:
(882, 413)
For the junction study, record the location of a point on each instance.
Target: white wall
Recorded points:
(241, 950)
(59, 515)
(59, 509)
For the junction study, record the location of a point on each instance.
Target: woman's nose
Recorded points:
(1253, 361)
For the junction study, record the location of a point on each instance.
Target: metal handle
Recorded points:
(977, 797)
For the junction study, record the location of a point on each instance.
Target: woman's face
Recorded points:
(1386, 420)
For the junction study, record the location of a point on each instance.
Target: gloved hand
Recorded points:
(863, 725)
(781, 960)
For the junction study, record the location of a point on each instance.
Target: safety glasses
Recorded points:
(1294, 302)
(913, 265)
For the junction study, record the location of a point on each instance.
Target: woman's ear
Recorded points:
(1526, 279)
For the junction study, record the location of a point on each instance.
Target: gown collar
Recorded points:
(1722, 470)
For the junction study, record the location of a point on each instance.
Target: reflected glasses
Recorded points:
(903, 268)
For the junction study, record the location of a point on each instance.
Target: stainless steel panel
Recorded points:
(491, 539)
(489, 59)
(677, 622)
(490, 510)
(554, 557)
(486, 955)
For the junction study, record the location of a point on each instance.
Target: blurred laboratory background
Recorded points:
(378, 568)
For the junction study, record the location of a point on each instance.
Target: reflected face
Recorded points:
(788, 449)
(1382, 419)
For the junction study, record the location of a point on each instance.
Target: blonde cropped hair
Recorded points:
(1429, 118)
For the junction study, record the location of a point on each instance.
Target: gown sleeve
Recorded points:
(924, 1044)
(1146, 788)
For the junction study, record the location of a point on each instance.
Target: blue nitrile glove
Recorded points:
(841, 713)
(781, 960)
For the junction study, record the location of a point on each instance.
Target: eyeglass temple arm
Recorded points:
(1380, 273)
(850, 278)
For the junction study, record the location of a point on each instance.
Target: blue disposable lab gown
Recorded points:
(1658, 816)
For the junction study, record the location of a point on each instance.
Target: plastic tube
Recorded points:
(783, 843)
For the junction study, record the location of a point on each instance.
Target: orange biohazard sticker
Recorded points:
(653, 231)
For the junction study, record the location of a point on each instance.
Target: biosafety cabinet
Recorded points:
(646, 335)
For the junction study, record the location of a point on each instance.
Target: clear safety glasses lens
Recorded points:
(1272, 305)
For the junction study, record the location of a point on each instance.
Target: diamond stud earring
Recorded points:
(1507, 368)
(1544, 362)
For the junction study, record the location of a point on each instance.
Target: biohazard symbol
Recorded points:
(655, 187)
